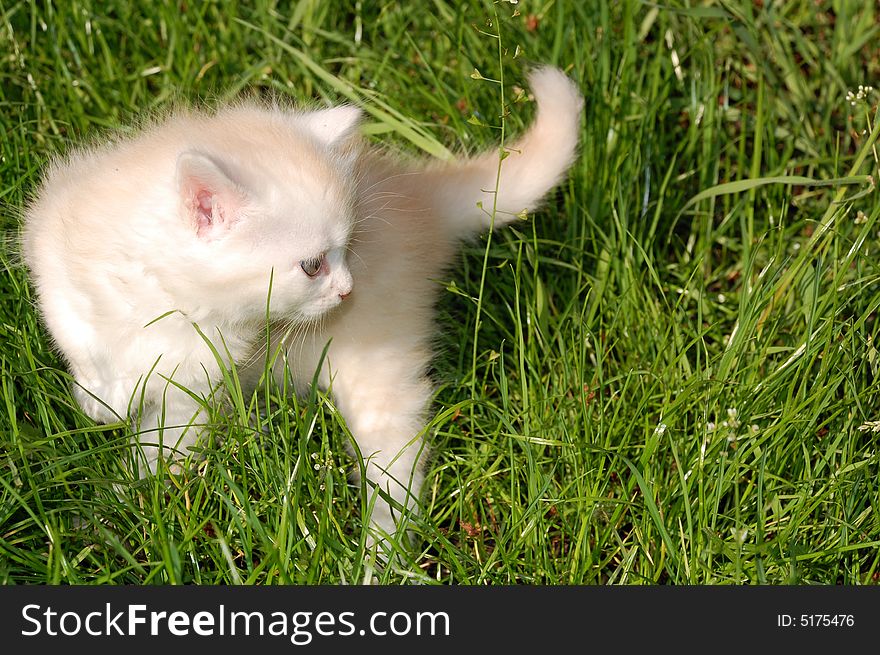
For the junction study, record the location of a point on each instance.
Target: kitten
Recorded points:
(152, 254)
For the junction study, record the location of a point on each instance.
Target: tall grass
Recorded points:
(667, 375)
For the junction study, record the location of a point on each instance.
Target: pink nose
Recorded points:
(343, 296)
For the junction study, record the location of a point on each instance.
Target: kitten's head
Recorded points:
(276, 202)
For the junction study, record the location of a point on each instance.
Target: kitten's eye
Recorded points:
(312, 267)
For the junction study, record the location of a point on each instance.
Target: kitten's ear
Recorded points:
(213, 202)
(333, 126)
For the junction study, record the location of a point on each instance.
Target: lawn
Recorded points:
(667, 375)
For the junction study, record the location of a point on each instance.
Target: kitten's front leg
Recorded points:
(384, 405)
(167, 430)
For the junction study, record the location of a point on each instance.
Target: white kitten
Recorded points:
(151, 253)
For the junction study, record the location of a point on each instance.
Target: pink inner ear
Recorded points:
(212, 201)
(204, 207)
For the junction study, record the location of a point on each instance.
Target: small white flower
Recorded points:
(732, 421)
(739, 535)
(855, 98)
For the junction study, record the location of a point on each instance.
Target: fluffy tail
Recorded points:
(536, 163)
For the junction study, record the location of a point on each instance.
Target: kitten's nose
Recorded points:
(344, 286)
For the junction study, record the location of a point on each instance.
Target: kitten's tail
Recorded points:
(535, 164)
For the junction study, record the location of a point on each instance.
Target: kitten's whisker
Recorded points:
(389, 178)
(354, 252)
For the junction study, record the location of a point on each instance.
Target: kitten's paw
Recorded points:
(145, 459)
(388, 535)
(149, 459)
(95, 408)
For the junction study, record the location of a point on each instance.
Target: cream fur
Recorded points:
(190, 218)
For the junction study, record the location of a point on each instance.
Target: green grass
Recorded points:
(632, 387)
